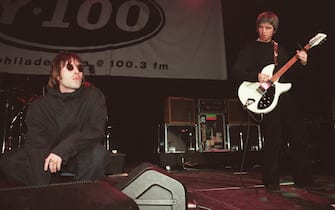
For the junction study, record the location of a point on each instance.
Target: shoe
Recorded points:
(272, 188)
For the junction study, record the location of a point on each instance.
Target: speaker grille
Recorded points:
(235, 112)
(179, 110)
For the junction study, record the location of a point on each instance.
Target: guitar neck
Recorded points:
(287, 65)
(283, 69)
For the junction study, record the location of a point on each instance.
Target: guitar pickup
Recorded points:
(263, 87)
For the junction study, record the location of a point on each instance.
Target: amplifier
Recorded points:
(206, 105)
(179, 110)
(244, 135)
(235, 112)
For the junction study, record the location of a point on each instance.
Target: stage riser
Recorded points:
(209, 159)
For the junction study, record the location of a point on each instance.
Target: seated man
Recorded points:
(66, 127)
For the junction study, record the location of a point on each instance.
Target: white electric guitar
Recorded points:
(262, 98)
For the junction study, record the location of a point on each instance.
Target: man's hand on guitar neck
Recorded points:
(302, 56)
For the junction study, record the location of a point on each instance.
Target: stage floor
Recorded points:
(205, 188)
(229, 189)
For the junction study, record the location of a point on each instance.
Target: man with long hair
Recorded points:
(65, 128)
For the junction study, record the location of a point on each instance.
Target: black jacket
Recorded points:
(61, 123)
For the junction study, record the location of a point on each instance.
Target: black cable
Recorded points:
(244, 152)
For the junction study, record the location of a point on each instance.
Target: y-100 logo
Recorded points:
(78, 25)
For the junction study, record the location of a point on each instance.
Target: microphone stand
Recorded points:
(5, 123)
(19, 116)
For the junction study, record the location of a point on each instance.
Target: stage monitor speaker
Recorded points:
(179, 110)
(66, 196)
(153, 189)
(235, 112)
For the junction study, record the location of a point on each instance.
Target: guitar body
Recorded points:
(262, 102)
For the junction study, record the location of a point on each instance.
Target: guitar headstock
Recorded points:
(317, 40)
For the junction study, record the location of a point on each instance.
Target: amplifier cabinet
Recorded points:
(178, 138)
(212, 125)
(210, 105)
(212, 132)
(238, 134)
(179, 110)
(235, 111)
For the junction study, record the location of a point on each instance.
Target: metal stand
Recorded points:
(19, 116)
(180, 138)
(5, 123)
(108, 137)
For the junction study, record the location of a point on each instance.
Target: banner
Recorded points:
(134, 38)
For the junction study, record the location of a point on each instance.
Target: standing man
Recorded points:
(64, 128)
(285, 121)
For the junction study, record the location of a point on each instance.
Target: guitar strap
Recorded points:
(275, 52)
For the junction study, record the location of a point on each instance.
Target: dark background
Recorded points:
(136, 105)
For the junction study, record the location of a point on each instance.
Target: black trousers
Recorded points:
(88, 164)
(285, 124)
